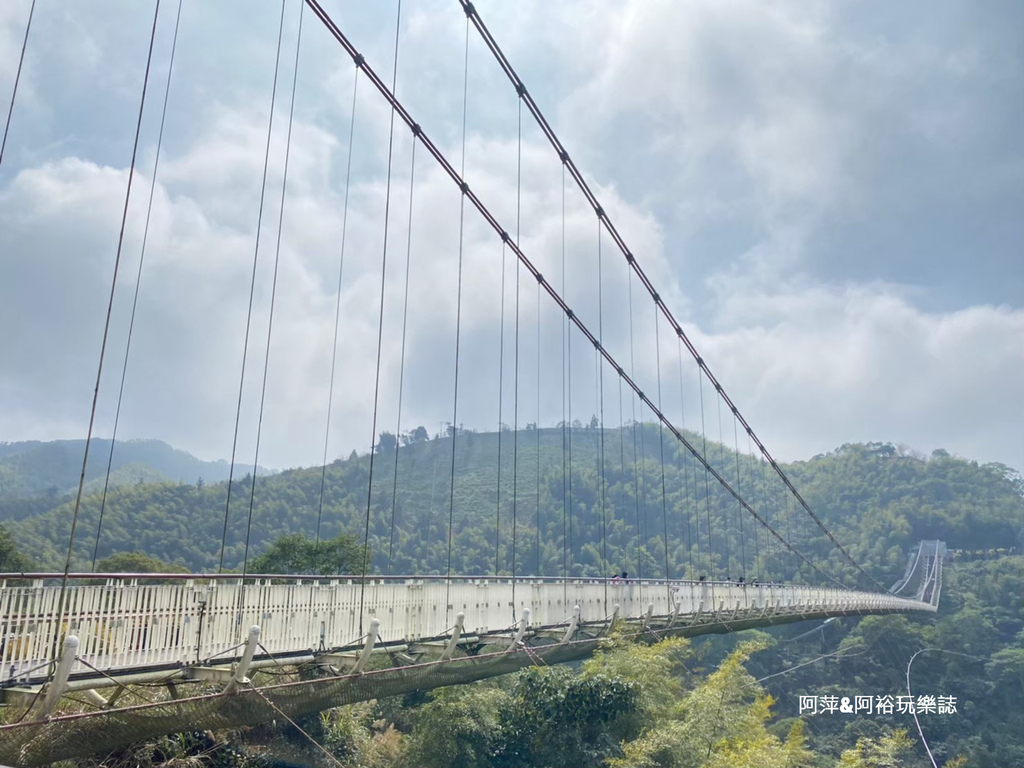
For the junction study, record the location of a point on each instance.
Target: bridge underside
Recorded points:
(472, 658)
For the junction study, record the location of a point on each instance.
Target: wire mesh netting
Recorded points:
(37, 743)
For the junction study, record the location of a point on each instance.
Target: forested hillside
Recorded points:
(878, 500)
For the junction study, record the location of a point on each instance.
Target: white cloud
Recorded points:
(772, 144)
(813, 366)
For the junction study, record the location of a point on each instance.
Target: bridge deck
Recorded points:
(132, 623)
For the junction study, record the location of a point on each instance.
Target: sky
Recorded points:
(829, 196)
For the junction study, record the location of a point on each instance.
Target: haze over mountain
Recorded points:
(52, 468)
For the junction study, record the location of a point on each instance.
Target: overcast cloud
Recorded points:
(829, 196)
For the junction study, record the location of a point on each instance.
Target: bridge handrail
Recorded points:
(614, 580)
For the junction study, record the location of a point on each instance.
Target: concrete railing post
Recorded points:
(371, 640)
(60, 677)
(239, 676)
(524, 624)
(574, 622)
(460, 619)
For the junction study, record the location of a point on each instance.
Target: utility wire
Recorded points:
(909, 693)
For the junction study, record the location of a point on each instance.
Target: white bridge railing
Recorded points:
(139, 621)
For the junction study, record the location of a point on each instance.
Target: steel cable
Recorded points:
(106, 333)
(138, 282)
(401, 365)
(458, 325)
(380, 321)
(563, 154)
(337, 305)
(489, 218)
(252, 291)
(17, 80)
(273, 290)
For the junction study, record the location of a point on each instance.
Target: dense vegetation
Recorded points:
(630, 706)
(656, 703)
(879, 502)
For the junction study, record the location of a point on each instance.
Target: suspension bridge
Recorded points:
(91, 661)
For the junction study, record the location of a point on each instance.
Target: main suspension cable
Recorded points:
(524, 262)
(17, 79)
(578, 177)
(138, 282)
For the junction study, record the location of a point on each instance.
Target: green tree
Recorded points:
(417, 435)
(11, 559)
(295, 553)
(720, 723)
(893, 750)
(560, 720)
(386, 443)
(136, 562)
(458, 728)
